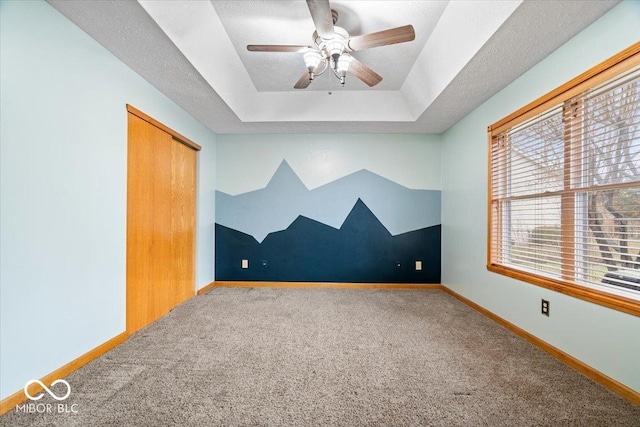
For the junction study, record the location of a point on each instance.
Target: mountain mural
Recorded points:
(285, 198)
(362, 250)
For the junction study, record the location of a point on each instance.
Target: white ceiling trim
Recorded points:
(312, 106)
(463, 29)
(196, 29)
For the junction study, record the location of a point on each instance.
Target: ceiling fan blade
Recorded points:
(276, 48)
(322, 18)
(364, 73)
(382, 38)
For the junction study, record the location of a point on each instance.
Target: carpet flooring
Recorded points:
(329, 357)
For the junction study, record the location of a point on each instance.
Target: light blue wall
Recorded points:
(605, 339)
(247, 162)
(63, 190)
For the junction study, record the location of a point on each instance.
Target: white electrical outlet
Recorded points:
(418, 265)
(245, 263)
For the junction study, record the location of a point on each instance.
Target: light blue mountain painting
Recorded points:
(285, 197)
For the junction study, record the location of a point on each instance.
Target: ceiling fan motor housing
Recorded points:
(333, 46)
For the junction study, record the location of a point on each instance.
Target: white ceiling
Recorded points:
(464, 52)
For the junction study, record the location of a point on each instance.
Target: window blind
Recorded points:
(564, 187)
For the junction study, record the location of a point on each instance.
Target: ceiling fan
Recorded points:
(332, 47)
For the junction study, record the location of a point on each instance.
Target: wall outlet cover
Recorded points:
(544, 307)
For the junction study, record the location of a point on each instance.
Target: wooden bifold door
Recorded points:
(161, 201)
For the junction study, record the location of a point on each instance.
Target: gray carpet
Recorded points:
(330, 357)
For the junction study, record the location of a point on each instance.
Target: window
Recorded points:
(564, 187)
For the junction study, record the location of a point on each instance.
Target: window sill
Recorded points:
(616, 302)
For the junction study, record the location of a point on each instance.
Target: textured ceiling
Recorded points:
(464, 52)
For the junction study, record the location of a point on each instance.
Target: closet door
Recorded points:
(161, 199)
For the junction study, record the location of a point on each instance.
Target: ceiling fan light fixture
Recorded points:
(312, 60)
(343, 64)
(334, 46)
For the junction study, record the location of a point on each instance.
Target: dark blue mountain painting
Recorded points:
(361, 251)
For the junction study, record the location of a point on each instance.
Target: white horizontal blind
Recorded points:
(527, 174)
(565, 189)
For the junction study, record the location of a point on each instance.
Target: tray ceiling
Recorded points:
(464, 52)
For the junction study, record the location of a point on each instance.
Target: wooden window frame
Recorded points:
(602, 72)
